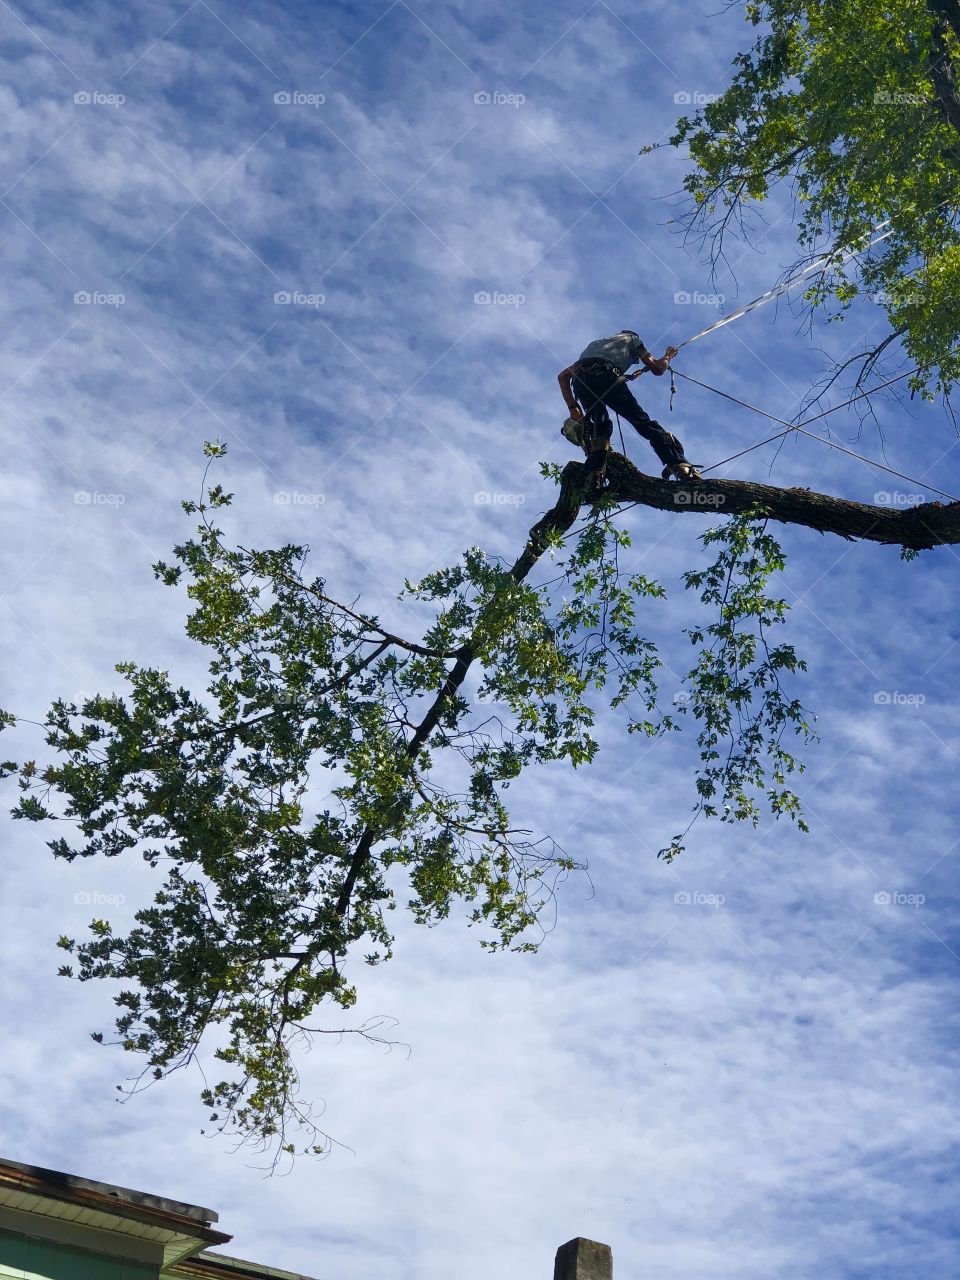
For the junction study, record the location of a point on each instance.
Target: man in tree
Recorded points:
(598, 380)
(265, 898)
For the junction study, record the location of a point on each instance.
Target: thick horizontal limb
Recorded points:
(917, 528)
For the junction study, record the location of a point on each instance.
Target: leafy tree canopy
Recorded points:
(852, 105)
(333, 770)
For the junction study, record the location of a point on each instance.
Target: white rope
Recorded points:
(821, 265)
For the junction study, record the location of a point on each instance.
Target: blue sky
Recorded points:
(741, 1065)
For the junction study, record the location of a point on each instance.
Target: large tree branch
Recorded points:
(917, 528)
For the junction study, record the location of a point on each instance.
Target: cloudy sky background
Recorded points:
(759, 1088)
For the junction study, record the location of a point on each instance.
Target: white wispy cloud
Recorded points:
(736, 1066)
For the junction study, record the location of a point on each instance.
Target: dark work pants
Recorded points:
(598, 388)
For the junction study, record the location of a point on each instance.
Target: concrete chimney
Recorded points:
(583, 1260)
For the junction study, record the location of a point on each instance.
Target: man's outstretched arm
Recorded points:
(659, 367)
(564, 377)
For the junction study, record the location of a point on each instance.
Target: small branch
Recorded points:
(389, 636)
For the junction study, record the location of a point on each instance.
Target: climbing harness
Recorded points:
(788, 427)
(821, 264)
(800, 427)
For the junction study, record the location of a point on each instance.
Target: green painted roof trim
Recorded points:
(213, 1264)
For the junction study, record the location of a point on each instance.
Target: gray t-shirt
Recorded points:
(622, 350)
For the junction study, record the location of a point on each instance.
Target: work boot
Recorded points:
(670, 452)
(596, 469)
(682, 470)
(596, 485)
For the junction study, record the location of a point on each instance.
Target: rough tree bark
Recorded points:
(946, 22)
(916, 528)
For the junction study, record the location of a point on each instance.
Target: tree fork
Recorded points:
(557, 520)
(914, 528)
